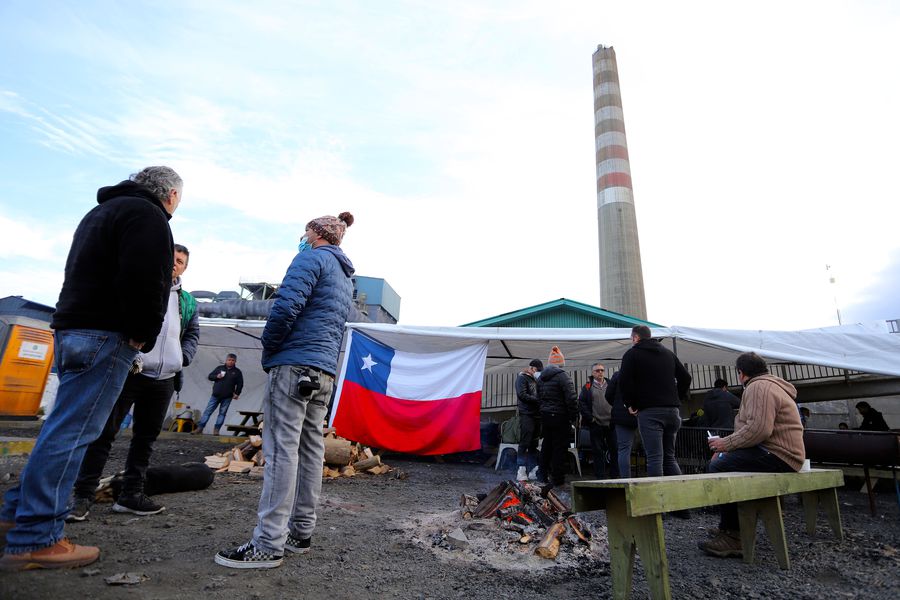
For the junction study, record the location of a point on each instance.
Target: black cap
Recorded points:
(536, 364)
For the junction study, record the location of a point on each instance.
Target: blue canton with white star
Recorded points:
(369, 363)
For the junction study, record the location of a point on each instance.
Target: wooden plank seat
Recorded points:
(634, 509)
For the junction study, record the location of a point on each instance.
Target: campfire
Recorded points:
(518, 507)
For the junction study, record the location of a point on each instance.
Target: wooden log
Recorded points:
(367, 463)
(237, 455)
(379, 470)
(256, 441)
(259, 459)
(329, 432)
(240, 466)
(579, 530)
(549, 546)
(348, 471)
(367, 452)
(330, 473)
(337, 451)
(558, 504)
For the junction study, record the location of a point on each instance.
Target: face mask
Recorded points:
(537, 374)
(304, 244)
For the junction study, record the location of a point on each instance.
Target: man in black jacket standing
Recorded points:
(529, 406)
(149, 394)
(117, 279)
(228, 381)
(653, 382)
(559, 411)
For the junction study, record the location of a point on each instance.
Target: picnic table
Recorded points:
(249, 424)
(634, 509)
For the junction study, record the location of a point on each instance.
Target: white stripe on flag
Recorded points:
(437, 375)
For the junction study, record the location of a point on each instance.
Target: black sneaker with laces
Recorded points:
(248, 556)
(81, 508)
(297, 545)
(137, 504)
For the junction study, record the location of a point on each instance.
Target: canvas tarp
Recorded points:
(864, 348)
(869, 349)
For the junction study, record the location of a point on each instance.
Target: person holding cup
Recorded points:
(767, 438)
(228, 381)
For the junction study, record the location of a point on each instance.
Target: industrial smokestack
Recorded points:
(621, 276)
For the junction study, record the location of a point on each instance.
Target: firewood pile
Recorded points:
(518, 507)
(343, 458)
(243, 458)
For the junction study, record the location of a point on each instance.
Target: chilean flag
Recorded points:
(411, 402)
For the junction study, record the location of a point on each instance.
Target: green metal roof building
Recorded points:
(562, 313)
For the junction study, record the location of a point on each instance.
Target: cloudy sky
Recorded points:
(763, 139)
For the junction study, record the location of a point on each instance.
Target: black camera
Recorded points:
(307, 384)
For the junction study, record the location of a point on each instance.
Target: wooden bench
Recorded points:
(634, 509)
(244, 428)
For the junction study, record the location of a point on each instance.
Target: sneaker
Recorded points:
(137, 504)
(522, 475)
(62, 554)
(249, 556)
(197, 430)
(725, 545)
(215, 432)
(533, 474)
(81, 508)
(297, 545)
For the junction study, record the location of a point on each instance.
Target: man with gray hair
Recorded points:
(114, 295)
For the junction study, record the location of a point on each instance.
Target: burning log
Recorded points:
(549, 546)
(582, 532)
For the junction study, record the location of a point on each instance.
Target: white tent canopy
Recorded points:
(865, 348)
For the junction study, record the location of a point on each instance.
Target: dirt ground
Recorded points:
(382, 537)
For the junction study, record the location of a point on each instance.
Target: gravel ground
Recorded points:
(381, 537)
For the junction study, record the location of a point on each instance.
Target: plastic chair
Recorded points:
(500, 452)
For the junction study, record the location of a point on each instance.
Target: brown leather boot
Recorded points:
(725, 545)
(63, 554)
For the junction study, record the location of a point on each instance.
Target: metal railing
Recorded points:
(499, 391)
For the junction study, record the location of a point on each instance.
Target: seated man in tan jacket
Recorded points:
(767, 438)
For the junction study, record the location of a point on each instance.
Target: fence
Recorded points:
(499, 390)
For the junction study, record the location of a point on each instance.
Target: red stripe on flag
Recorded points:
(411, 426)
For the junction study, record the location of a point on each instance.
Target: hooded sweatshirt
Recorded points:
(769, 418)
(165, 359)
(119, 267)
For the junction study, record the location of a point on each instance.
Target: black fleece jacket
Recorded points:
(557, 393)
(652, 376)
(119, 268)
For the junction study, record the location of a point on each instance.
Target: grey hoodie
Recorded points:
(165, 360)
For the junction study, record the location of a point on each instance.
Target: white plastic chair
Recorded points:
(500, 452)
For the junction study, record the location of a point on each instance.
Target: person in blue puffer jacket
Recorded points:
(301, 342)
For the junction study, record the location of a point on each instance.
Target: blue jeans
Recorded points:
(92, 367)
(658, 426)
(223, 404)
(746, 460)
(294, 450)
(624, 441)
